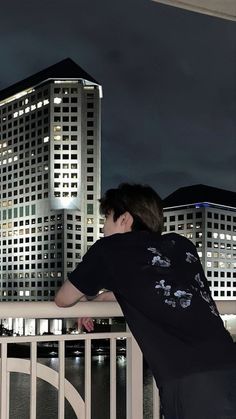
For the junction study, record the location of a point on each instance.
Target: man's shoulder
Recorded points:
(130, 238)
(178, 241)
(106, 242)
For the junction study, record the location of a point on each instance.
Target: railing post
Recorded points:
(113, 378)
(88, 381)
(33, 380)
(156, 402)
(61, 381)
(134, 383)
(4, 377)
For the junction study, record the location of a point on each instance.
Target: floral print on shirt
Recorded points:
(180, 297)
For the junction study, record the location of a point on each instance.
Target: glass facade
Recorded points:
(212, 228)
(50, 141)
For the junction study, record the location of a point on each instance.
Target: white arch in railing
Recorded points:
(52, 377)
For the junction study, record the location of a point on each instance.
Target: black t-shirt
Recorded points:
(160, 285)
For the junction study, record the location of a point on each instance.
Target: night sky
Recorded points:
(168, 77)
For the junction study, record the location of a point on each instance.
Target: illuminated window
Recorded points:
(57, 100)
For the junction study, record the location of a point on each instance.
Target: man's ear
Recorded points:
(127, 221)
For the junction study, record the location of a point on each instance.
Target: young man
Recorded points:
(160, 285)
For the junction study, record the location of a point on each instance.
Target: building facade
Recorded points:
(207, 216)
(50, 176)
(224, 9)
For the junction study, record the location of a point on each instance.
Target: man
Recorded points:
(162, 290)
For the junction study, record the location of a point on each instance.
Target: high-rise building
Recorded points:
(50, 144)
(207, 216)
(219, 9)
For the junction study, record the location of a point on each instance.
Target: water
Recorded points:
(47, 395)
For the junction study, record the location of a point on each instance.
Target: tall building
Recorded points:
(220, 9)
(50, 144)
(207, 216)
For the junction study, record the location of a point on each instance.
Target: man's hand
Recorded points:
(87, 322)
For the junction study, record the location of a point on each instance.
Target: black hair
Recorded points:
(141, 201)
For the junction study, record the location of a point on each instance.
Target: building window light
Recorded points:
(66, 81)
(57, 137)
(21, 112)
(15, 158)
(222, 236)
(33, 107)
(46, 102)
(15, 115)
(57, 100)
(57, 128)
(215, 235)
(46, 139)
(39, 104)
(27, 109)
(221, 264)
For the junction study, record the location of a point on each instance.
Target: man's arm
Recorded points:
(105, 296)
(68, 295)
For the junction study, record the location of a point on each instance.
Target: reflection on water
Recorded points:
(47, 395)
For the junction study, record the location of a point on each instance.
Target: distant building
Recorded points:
(220, 9)
(50, 145)
(207, 216)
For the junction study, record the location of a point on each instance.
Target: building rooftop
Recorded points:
(64, 69)
(220, 8)
(200, 194)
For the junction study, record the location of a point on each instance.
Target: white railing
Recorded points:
(31, 366)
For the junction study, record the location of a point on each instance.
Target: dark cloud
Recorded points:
(168, 78)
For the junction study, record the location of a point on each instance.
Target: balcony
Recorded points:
(30, 366)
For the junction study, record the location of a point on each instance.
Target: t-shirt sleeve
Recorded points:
(90, 276)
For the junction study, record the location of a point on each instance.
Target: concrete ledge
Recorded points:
(226, 307)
